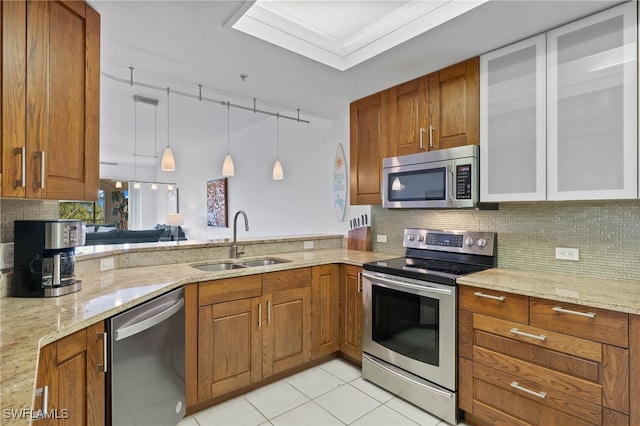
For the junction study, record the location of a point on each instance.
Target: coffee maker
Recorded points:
(44, 257)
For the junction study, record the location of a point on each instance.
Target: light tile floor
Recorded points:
(333, 393)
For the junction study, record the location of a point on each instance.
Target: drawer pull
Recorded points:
(540, 337)
(489, 296)
(568, 311)
(541, 395)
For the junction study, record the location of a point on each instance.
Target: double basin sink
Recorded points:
(227, 265)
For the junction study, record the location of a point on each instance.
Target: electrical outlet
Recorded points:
(564, 253)
(381, 238)
(106, 264)
(308, 245)
(6, 255)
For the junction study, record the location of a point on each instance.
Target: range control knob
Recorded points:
(411, 237)
(469, 241)
(482, 242)
(421, 238)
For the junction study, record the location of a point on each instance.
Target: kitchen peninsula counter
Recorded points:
(26, 325)
(615, 295)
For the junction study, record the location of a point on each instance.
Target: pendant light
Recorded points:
(227, 166)
(118, 184)
(278, 174)
(168, 162)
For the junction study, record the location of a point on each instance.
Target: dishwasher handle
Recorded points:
(139, 327)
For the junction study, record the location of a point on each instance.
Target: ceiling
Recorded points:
(187, 41)
(344, 33)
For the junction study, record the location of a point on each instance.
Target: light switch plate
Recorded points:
(381, 238)
(6, 255)
(308, 245)
(106, 264)
(564, 253)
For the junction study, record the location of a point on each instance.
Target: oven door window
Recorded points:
(406, 323)
(418, 185)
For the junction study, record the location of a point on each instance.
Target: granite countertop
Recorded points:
(26, 325)
(616, 295)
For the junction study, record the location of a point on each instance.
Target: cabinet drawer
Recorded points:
(286, 280)
(567, 354)
(228, 289)
(530, 402)
(546, 379)
(596, 324)
(513, 307)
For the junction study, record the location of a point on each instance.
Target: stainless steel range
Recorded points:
(409, 316)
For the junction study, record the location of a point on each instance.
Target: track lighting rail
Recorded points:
(199, 97)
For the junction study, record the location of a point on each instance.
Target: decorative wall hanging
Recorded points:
(217, 203)
(340, 183)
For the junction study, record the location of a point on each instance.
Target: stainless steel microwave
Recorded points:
(442, 179)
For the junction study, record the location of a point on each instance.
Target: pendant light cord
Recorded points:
(228, 120)
(135, 141)
(277, 136)
(168, 103)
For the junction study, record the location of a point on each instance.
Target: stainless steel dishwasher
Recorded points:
(147, 362)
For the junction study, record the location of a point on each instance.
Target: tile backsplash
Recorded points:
(11, 210)
(607, 233)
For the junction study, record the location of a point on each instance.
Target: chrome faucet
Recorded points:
(234, 248)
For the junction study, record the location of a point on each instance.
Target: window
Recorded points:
(87, 211)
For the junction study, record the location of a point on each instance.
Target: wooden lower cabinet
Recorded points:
(286, 330)
(515, 373)
(72, 369)
(229, 347)
(248, 328)
(325, 311)
(351, 312)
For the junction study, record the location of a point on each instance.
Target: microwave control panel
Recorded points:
(463, 182)
(468, 242)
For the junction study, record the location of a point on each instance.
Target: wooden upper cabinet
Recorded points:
(454, 105)
(368, 147)
(14, 89)
(408, 117)
(50, 141)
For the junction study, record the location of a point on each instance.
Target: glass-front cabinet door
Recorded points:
(592, 107)
(513, 122)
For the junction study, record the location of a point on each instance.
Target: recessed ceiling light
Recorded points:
(342, 34)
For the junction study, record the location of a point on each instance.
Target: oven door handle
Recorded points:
(400, 284)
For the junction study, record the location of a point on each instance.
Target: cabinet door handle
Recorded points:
(268, 311)
(422, 130)
(570, 312)
(517, 332)
(44, 391)
(431, 129)
(489, 296)
(259, 314)
(541, 395)
(360, 282)
(22, 152)
(103, 367)
(40, 184)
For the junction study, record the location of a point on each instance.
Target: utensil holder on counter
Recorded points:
(359, 239)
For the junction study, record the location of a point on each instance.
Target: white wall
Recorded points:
(300, 204)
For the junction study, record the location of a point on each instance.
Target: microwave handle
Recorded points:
(451, 184)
